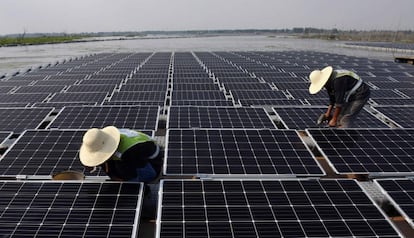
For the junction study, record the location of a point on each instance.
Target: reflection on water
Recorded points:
(19, 58)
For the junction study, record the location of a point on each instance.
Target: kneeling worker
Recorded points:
(124, 155)
(347, 94)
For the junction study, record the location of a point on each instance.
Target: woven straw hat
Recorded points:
(319, 78)
(98, 145)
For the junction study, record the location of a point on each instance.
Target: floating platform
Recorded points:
(404, 59)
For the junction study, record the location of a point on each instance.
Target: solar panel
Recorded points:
(13, 83)
(404, 78)
(380, 93)
(372, 151)
(384, 93)
(195, 87)
(291, 85)
(402, 116)
(20, 119)
(132, 103)
(69, 209)
(198, 95)
(393, 85)
(229, 72)
(30, 76)
(217, 103)
(4, 135)
(190, 72)
(101, 81)
(388, 74)
(72, 77)
(269, 208)
(407, 91)
(304, 94)
(238, 79)
(247, 86)
(143, 87)
(54, 82)
(44, 153)
(270, 102)
(97, 97)
(305, 117)
(154, 96)
(218, 117)
(274, 75)
(5, 89)
(135, 80)
(192, 80)
(23, 97)
(133, 117)
(109, 76)
(269, 94)
(401, 194)
(235, 152)
(393, 101)
(91, 88)
(60, 105)
(11, 104)
(40, 89)
(316, 101)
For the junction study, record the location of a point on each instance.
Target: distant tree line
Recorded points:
(406, 36)
(303, 32)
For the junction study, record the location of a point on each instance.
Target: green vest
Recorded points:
(129, 138)
(343, 72)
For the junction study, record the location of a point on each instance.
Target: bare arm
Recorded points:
(328, 112)
(335, 116)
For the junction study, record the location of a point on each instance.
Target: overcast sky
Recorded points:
(72, 16)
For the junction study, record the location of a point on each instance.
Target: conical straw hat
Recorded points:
(319, 78)
(99, 145)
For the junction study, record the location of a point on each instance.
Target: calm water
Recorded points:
(13, 59)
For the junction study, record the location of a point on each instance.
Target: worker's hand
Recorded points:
(332, 122)
(322, 118)
(90, 169)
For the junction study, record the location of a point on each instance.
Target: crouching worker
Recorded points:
(124, 155)
(347, 94)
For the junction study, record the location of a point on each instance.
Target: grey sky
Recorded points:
(73, 16)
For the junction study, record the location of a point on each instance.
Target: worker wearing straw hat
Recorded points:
(123, 154)
(347, 95)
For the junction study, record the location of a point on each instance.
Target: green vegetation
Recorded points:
(367, 36)
(37, 40)
(308, 33)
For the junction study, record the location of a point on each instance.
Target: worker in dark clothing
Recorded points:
(124, 155)
(347, 95)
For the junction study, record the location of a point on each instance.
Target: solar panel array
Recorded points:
(43, 152)
(401, 193)
(302, 117)
(21, 119)
(244, 116)
(367, 151)
(238, 152)
(386, 45)
(46, 152)
(69, 209)
(402, 116)
(132, 117)
(218, 117)
(269, 208)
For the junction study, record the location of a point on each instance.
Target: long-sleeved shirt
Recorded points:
(338, 87)
(135, 157)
